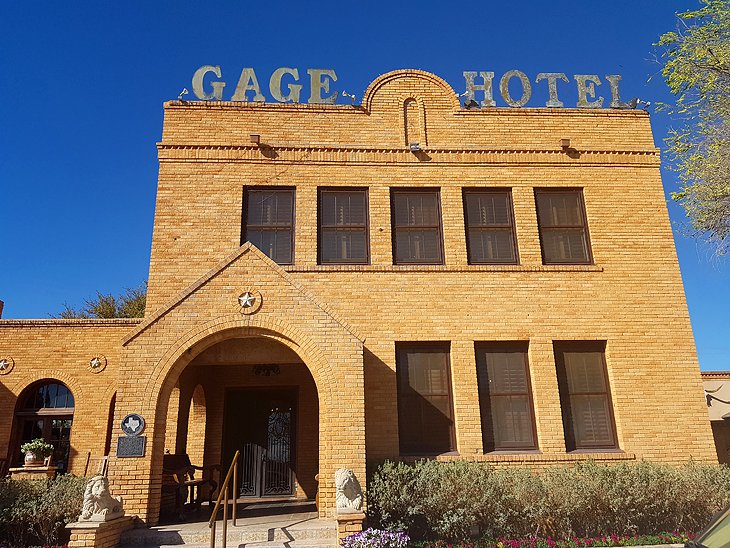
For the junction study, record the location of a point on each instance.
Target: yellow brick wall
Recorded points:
(62, 350)
(343, 322)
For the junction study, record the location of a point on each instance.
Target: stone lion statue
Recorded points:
(99, 505)
(349, 492)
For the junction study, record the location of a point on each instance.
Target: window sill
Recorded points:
(544, 458)
(441, 268)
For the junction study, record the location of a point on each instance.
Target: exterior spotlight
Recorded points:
(415, 147)
(565, 144)
(255, 138)
(352, 97)
(183, 93)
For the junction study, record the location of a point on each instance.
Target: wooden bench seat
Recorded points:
(179, 475)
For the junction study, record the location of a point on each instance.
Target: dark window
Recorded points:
(490, 233)
(45, 411)
(504, 397)
(425, 417)
(416, 216)
(343, 226)
(584, 396)
(269, 222)
(563, 228)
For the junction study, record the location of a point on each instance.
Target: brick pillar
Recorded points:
(99, 534)
(348, 524)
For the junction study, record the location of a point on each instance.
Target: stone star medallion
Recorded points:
(97, 364)
(6, 365)
(247, 300)
(250, 301)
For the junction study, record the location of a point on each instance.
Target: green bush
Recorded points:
(35, 512)
(461, 500)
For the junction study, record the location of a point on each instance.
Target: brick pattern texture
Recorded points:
(334, 327)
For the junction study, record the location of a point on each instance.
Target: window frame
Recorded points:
(510, 213)
(24, 414)
(401, 349)
(571, 443)
(365, 228)
(583, 226)
(481, 348)
(244, 215)
(394, 228)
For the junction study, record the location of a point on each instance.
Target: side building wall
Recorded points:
(61, 350)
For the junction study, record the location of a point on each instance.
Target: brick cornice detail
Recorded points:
(75, 322)
(323, 154)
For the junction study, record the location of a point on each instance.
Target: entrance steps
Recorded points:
(258, 526)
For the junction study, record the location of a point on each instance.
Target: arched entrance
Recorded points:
(45, 410)
(160, 351)
(255, 395)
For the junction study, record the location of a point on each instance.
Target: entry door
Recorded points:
(261, 424)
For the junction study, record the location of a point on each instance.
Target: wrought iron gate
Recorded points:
(266, 443)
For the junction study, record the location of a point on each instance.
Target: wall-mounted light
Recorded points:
(415, 147)
(565, 144)
(255, 138)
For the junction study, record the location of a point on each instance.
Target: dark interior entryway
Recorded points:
(261, 423)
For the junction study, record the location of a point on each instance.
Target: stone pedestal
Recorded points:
(100, 534)
(33, 472)
(349, 524)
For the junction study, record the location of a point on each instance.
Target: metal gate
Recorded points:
(266, 442)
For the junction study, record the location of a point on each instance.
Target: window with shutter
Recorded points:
(269, 222)
(585, 396)
(505, 397)
(490, 233)
(343, 226)
(563, 228)
(425, 416)
(416, 219)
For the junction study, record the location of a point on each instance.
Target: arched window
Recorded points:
(45, 410)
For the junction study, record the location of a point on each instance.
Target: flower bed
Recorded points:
(593, 542)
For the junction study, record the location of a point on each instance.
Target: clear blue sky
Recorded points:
(83, 84)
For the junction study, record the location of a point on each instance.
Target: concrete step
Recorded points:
(293, 533)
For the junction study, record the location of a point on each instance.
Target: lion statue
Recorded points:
(99, 505)
(349, 492)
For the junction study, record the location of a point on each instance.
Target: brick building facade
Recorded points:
(487, 294)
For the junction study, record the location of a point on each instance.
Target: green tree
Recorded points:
(697, 70)
(130, 304)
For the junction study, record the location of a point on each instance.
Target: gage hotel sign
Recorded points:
(284, 87)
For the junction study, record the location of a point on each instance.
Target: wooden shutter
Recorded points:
(416, 217)
(505, 397)
(343, 226)
(425, 416)
(269, 222)
(489, 227)
(585, 396)
(563, 228)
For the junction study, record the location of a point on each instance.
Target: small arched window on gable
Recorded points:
(45, 410)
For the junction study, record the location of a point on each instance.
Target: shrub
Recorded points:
(35, 512)
(460, 500)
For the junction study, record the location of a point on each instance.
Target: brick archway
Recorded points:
(342, 448)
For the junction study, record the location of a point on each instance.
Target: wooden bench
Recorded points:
(180, 476)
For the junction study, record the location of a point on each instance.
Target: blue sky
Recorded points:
(83, 85)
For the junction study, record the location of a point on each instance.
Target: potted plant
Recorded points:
(36, 452)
